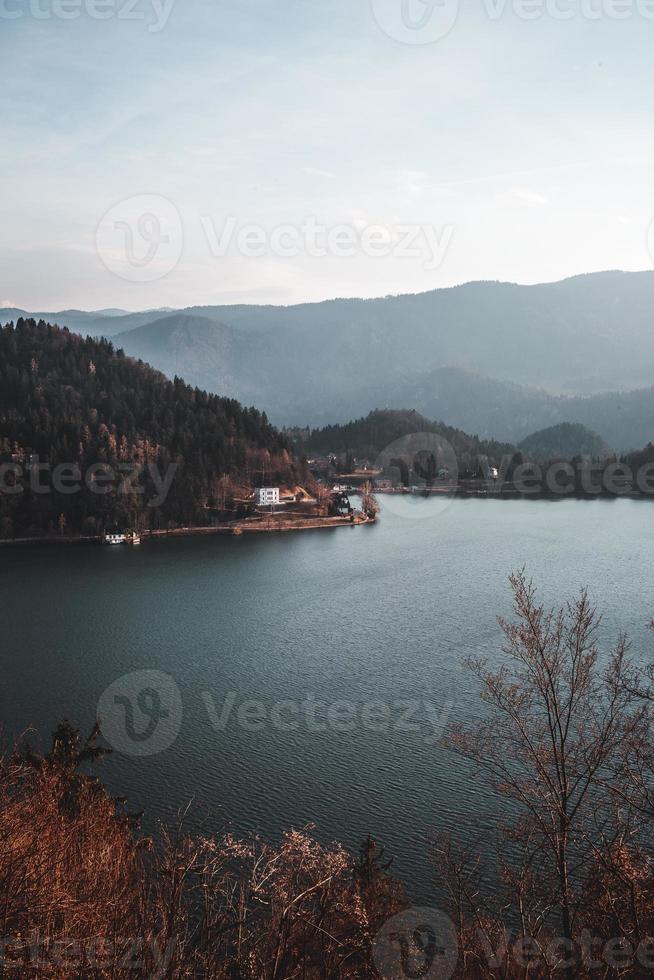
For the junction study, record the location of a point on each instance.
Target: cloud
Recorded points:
(315, 172)
(412, 182)
(528, 196)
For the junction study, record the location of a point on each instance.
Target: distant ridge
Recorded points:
(499, 359)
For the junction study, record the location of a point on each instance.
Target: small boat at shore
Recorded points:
(118, 536)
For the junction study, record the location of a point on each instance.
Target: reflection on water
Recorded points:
(314, 669)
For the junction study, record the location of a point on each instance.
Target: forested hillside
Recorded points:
(564, 440)
(367, 437)
(89, 437)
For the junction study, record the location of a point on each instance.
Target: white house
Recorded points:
(266, 496)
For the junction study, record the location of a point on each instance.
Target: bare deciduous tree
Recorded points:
(557, 742)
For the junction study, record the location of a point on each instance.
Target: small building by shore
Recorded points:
(266, 496)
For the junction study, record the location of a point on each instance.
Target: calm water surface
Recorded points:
(373, 616)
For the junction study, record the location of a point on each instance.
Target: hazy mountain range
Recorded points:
(497, 359)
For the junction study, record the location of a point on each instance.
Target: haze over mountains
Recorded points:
(496, 359)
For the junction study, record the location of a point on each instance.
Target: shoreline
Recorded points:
(511, 493)
(247, 526)
(281, 523)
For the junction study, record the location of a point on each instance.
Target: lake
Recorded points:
(302, 678)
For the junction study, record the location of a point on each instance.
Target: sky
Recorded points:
(177, 152)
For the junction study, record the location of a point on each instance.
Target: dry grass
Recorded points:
(82, 896)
